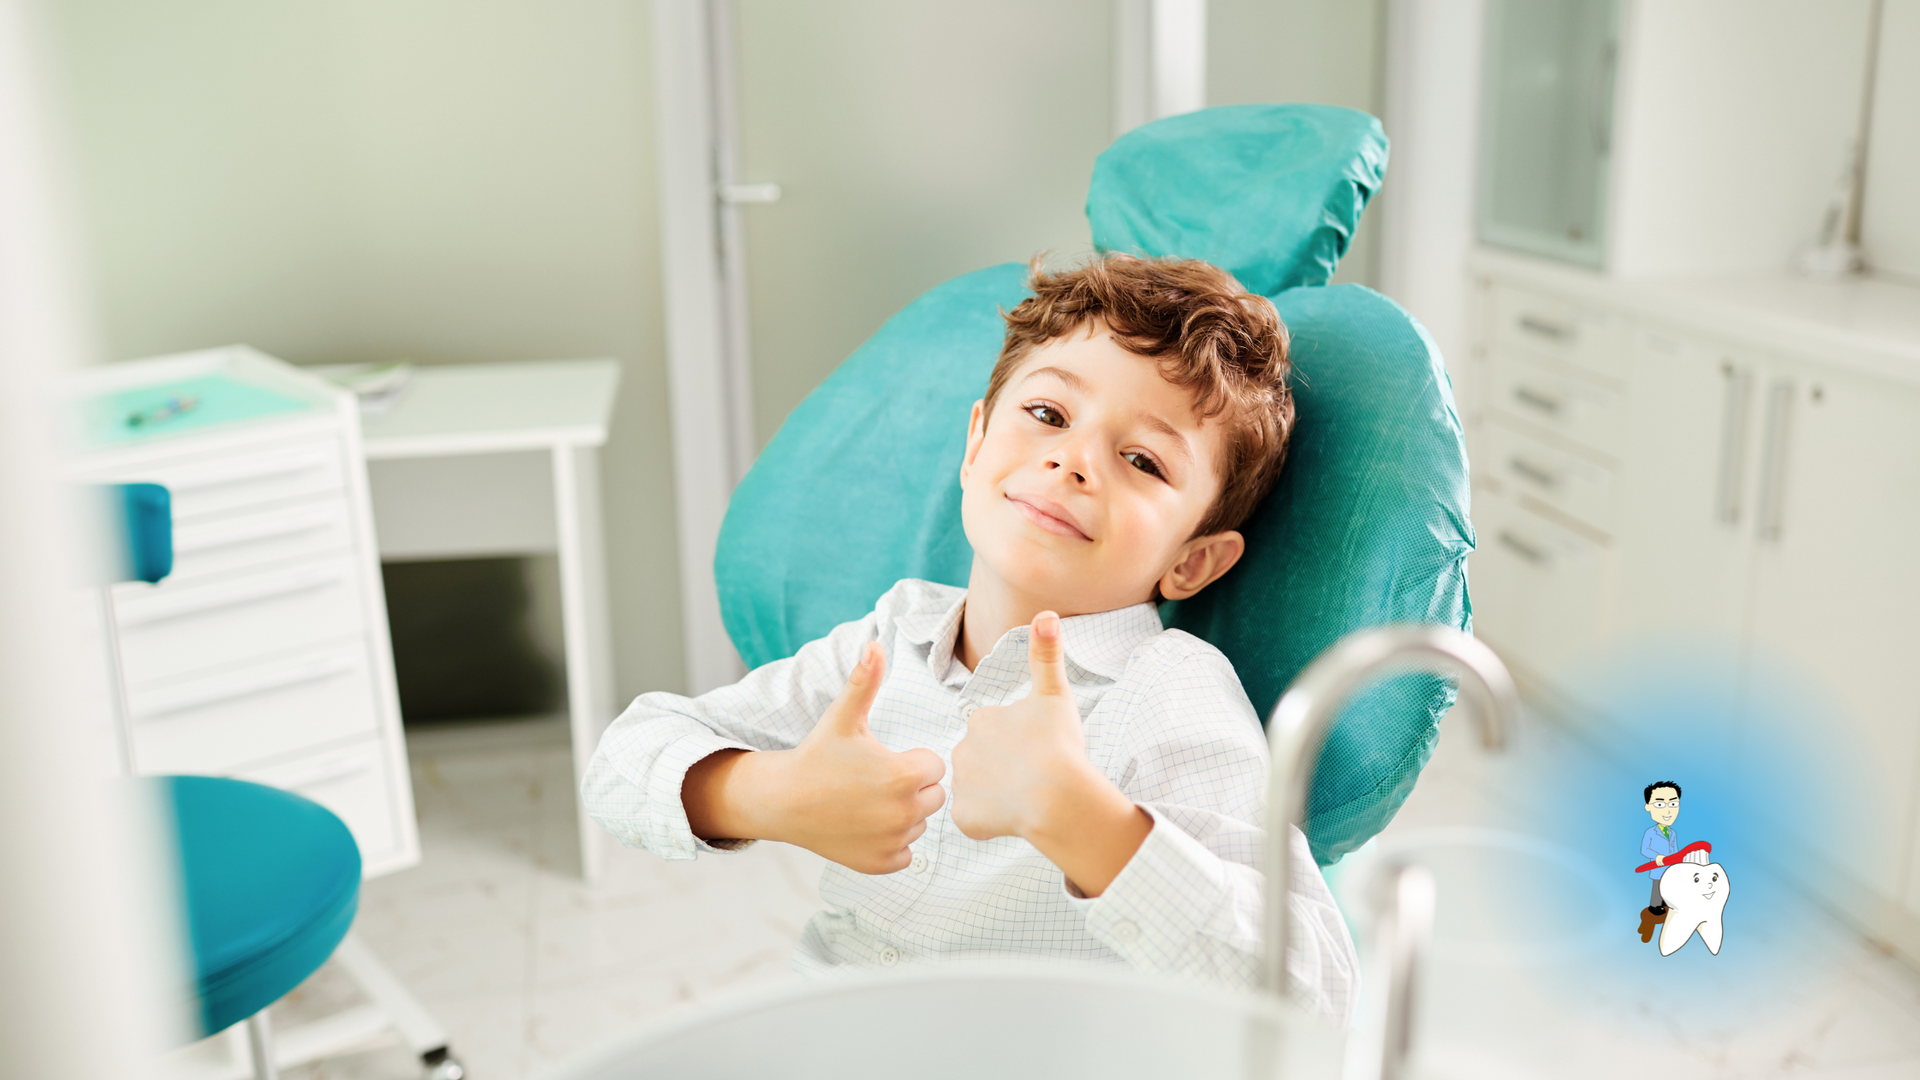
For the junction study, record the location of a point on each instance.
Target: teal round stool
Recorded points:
(272, 882)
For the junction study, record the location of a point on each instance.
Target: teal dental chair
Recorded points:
(1367, 526)
(270, 881)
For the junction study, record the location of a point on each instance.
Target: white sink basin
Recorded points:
(975, 1021)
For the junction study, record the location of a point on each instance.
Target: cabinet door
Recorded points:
(1685, 522)
(1836, 590)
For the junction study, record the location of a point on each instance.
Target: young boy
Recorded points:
(1104, 779)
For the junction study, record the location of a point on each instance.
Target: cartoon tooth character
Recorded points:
(1695, 894)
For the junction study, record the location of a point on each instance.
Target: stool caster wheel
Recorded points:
(441, 1065)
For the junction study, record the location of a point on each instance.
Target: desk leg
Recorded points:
(585, 623)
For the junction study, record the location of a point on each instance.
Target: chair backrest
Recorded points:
(1368, 524)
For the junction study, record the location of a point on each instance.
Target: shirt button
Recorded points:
(889, 956)
(1125, 930)
(919, 864)
(967, 708)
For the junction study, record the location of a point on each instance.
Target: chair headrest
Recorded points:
(1270, 193)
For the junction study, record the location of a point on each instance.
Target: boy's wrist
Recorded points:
(726, 795)
(1087, 827)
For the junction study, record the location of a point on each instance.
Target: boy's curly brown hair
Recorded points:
(1212, 338)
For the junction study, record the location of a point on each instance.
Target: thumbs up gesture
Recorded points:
(1017, 768)
(842, 794)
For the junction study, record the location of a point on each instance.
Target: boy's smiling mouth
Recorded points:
(1049, 515)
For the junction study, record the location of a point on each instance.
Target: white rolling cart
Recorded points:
(264, 655)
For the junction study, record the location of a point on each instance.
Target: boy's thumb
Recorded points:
(848, 714)
(1044, 655)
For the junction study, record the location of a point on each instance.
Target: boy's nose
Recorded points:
(1079, 477)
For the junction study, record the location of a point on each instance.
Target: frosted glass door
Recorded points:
(1546, 133)
(912, 143)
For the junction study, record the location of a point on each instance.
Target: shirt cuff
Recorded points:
(673, 834)
(1170, 888)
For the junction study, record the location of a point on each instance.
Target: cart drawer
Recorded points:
(218, 723)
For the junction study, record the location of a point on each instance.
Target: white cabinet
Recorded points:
(1836, 587)
(264, 655)
(1686, 527)
(1725, 474)
(1545, 444)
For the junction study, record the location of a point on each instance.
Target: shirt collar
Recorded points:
(1099, 643)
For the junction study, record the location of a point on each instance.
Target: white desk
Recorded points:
(479, 460)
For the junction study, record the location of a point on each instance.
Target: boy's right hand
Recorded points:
(840, 793)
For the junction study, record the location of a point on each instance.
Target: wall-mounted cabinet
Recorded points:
(1651, 137)
(1548, 126)
(1715, 461)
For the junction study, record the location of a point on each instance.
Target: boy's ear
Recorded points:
(1201, 563)
(976, 432)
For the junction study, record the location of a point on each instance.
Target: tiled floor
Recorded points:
(526, 965)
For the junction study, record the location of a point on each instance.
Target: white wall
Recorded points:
(1433, 57)
(1733, 126)
(446, 180)
(912, 142)
(1325, 52)
(1891, 225)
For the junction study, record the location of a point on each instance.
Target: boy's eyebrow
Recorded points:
(1062, 374)
(1179, 441)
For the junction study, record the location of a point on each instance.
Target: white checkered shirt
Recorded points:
(1166, 721)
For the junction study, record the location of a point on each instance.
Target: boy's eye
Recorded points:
(1142, 462)
(1047, 415)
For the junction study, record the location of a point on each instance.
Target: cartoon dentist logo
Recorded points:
(1689, 893)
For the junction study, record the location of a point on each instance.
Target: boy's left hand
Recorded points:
(1020, 765)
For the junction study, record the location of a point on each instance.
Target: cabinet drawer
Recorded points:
(1540, 590)
(176, 628)
(353, 783)
(238, 542)
(217, 483)
(1566, 405)
(219, 723)
(1560, 478)
(1557, 330)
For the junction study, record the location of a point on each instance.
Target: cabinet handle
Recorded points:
(318, 774)
(206, 538)
(1539, 474)
(1773, 460)
(162, 703)
(1600, 103)
(1533, 553)
(215, 597)
(1535, 399)
(1734, 410)
(243, 469)
(1546, 328)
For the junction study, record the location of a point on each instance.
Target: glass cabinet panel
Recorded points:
(1547, 126)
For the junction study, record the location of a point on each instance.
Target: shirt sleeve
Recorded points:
(1648, 847)
(632, 785)
(1189, 902)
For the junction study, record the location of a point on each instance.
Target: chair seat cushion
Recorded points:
(272, 882)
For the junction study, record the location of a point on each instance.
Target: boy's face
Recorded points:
(1082, 491)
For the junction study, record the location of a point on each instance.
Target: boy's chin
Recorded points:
(1068, 593)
